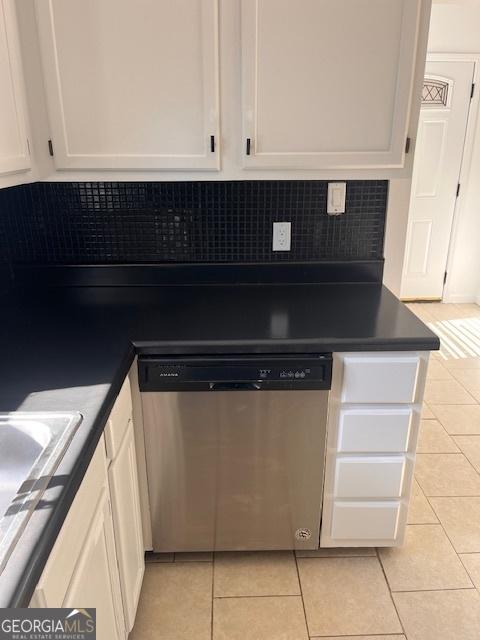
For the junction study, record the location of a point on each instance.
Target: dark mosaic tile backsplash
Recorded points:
(165, 222)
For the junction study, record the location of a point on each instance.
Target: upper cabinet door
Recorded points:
(327, 84)
(14, 154)
(131, 84)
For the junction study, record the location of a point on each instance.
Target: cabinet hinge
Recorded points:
(472, 92)
(444, 277)
(407, 145)
(50, 147)
(458, 190)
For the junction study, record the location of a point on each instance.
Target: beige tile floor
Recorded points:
(427, 590)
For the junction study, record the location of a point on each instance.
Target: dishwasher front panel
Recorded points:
(232, 470)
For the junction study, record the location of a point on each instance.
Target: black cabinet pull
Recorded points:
(212, 144)
(248, 146)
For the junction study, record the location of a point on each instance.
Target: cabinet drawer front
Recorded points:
(365, 520)
(390, 379)
(362, 477)
(374, 430)
(117, 424)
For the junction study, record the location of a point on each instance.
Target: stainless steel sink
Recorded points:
(31, 447)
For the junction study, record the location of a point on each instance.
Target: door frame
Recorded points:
(473, 120)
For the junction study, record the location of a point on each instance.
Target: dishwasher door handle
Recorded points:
(235, 386)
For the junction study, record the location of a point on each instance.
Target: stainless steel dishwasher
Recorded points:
(235, 450)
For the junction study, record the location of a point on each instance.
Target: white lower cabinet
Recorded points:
(128, 524)
(95, 581)
(98, 558)
(374, 415)
(82, 569)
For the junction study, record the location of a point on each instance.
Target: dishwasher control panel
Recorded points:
(235, 373)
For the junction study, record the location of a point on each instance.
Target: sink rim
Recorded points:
(62, 426)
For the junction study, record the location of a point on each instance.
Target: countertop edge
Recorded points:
(22, 592)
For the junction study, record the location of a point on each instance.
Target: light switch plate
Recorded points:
(337, 192)
(282, 233)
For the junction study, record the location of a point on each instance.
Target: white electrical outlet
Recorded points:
(282, 234)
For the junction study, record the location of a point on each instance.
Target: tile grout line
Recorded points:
(261, 595)
(466, 457)
(390, 592)
(439, 524)
(301, 592)
(213, 596)
(472, 495)
(432, 403)
(471, 464)
(441, 453)
(468, 572)
(428, 497)
(363, 635)
(472, 588)
(443, 528)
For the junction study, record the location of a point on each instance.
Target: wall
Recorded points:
(396, 233)
(455, 28)
(188, 222)
(231, 124)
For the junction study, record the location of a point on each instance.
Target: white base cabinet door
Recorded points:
(128, 524)
(327, 84)
(95, 581)
(82, 570)
(131, 85)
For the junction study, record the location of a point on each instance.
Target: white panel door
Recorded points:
(95, 581)
(127, 519)
(131, 84)
(438, 158)
(14, 154)
(327, 83)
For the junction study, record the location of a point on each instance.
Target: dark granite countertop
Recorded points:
(70, 349)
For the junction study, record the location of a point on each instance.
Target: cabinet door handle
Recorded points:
(212, 144)
(248, 146)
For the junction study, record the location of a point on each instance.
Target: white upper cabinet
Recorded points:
(14, 154)
(327, 84)
(131, 84)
